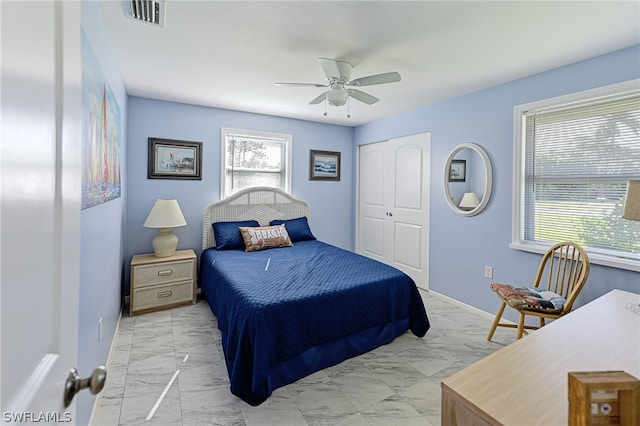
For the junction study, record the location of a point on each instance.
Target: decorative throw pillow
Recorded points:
(265, 237)
(228, 236)
(298, 228)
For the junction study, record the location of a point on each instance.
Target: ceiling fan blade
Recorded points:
(388, 77)
(319, 99)
(302, 84)
(333, 69)
(362, 96)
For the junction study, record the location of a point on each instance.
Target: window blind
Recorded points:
(578, 159)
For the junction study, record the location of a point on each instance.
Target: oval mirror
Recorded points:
(468, 179)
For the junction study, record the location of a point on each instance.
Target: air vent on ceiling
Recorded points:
(148, 11)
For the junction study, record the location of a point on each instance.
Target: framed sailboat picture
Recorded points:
(173, 159)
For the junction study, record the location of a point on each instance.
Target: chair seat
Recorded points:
(529, 298)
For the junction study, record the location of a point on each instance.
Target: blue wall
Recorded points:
(461, 246)
(102, 230)
(331, 203)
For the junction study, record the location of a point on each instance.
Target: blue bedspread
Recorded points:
(285, 313)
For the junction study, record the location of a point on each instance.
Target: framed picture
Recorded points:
(173, 159)
(458, 171)
(324, 165)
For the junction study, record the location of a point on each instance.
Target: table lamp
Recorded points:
(632, 201)
(469, 201)
(165, 215)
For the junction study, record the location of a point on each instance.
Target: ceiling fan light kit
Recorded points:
(338, 75)
(337, 96)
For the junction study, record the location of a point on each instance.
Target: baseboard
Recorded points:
(478, 311)
(98, 400)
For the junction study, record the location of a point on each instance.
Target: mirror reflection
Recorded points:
(468, 179)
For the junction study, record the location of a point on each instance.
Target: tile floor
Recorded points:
(395, 384)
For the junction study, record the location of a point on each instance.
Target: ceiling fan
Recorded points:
(338, 74)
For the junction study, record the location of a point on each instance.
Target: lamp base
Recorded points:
(165, 243)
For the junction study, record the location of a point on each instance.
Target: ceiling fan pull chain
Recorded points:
(325, 106)
(348, 107)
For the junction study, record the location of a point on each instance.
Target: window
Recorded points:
(254, 159)
(574, 156)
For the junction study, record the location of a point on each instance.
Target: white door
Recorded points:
(393, 204)
(373, 210)
(40, 195)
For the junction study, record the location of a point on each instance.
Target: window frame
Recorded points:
(596, 256)
(286, 163)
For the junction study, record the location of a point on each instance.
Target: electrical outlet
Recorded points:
(488, 271)
(100, 329)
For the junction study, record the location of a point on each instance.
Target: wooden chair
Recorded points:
(562, 273)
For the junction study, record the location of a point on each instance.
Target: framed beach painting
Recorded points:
(324, 165)
(174, 159)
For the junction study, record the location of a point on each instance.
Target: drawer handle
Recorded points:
(165, 272)
(164, 294)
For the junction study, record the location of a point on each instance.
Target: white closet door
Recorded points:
(373, 209)
(393, 204)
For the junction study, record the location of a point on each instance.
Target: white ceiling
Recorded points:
(229, 54)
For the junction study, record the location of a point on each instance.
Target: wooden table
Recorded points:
(526, 383)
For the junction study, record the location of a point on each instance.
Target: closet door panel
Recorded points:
(409, 206)
(373, 238)
(408, 178)
(408, 245)
(372, 172)
(372, 202)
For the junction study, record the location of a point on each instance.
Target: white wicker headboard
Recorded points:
(260, 203)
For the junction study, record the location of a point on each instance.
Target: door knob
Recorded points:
(75, 383)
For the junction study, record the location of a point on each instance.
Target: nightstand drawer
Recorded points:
(163, 295)
(146, 275)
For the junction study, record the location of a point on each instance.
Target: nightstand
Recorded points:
(162, 282)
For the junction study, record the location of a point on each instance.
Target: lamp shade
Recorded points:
(165, 214)
(469, 201)
(632, 201)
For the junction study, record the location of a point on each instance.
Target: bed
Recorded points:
(285, 313)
